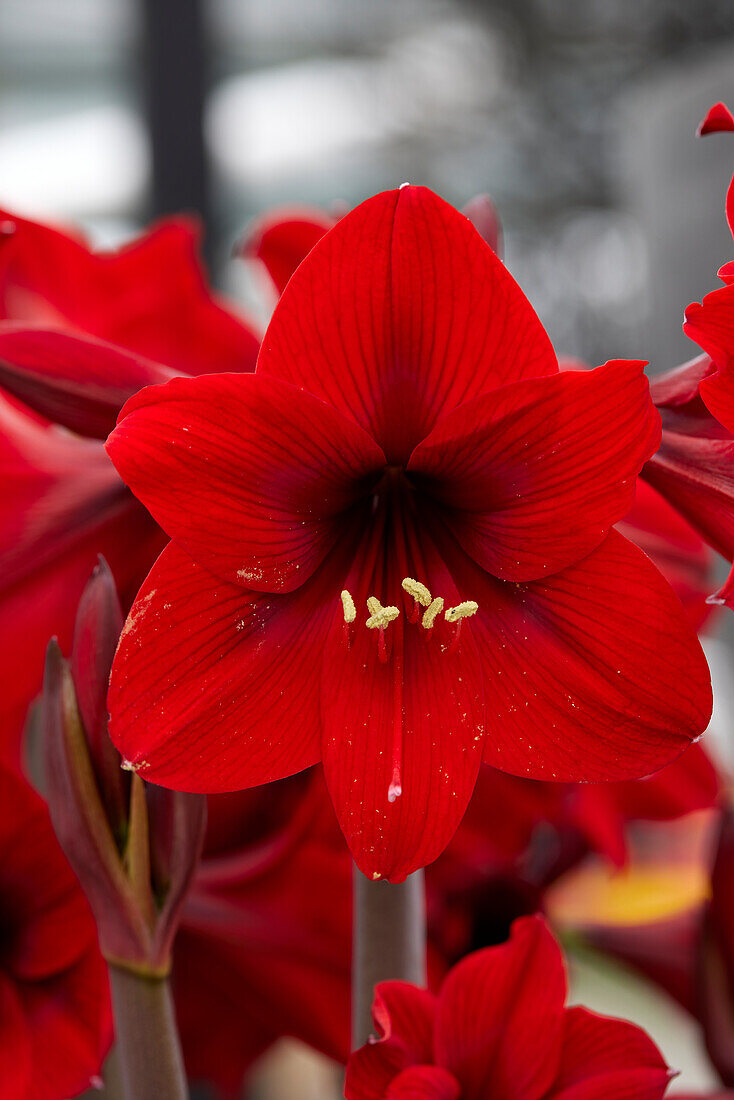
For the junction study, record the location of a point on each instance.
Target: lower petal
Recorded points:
(402, 732)
(215, 688)
(594, 674)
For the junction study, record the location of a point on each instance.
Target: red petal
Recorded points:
(16, 1068)
(149, 297)
(535, 474)
(696, 475)
(421, 712)
(594, 673)
(483, 215)
(711, 324)
(78, 382)
(249, 475)
(70, 1025)
(499, 1023)
(61, 505)
(718, 118)
(400, 313)
(690, 783)
(282, 238)
(424, 1083)
(215, 688)
(675, 548)
(260, 952)
(607, 1059)
(404, 1017)
(679, 386)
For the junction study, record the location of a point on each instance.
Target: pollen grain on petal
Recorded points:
(461, 611)
(417, 590)
(350, 611)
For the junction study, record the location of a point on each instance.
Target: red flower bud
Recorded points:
(134, 848)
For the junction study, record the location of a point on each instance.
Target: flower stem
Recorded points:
(389, 942)
(147, 1038)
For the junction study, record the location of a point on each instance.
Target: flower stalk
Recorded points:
(389, 941)
(145, 1028)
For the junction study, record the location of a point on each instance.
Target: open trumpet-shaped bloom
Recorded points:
(392, 550)
(499, 1028)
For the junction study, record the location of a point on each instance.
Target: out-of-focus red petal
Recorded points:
(260, 952)
(424, 1083)
(76, 381)
(674, 546)
(414, 721)
(696, 475)
(535, 474)
(404, 1020)
(500, 1016)
(282, 238)
(718, 118)
(678, 387)
(608, 1059)
(150, 296)
(400, 313)
(15, 1042)
(483, 215)
(248, 474)
(215, 688)
(61, 504)
(594, 673)
(70, 1026)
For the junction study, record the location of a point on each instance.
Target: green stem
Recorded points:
(147, 1039)
(389, 942)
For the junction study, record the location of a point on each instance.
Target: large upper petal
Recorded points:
(215, 688)
(608, 1059)
(420, 711)
(248, 474)
(400, 313)
(499, 1021)
(534, 474)
(595, 673)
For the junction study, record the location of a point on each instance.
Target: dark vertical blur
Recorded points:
(175, 74)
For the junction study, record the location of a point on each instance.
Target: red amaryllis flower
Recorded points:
(406, 510)
(81, 331)
(54, 1002)
(263, 949)
(499, 1028)
(283, 237)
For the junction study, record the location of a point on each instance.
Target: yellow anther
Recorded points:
(418, 591)
(461, 611)
(431, 613)
(380, 616)
(350, 611)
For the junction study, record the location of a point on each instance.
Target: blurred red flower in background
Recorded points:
(54, 1000)
(499, 1028)
(80, 331)
(407, 439)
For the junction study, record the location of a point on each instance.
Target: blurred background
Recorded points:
(577, 116)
